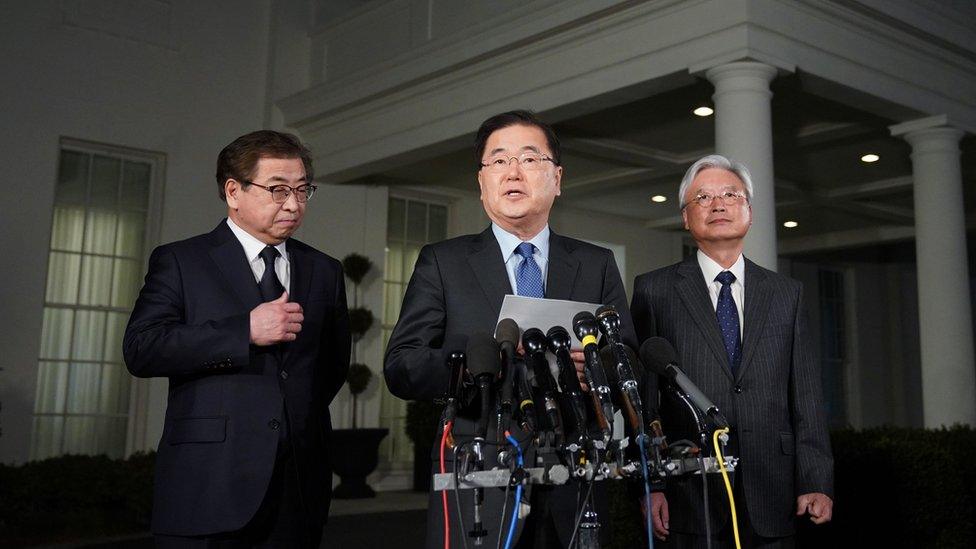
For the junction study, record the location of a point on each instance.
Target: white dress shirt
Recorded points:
(507, 242)
(252, 249)
(710, 269)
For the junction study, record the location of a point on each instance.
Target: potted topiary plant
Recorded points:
(355, 451)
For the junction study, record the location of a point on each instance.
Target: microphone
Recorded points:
(585, 327)
(621, 357)
(534, 342)
(559, 345)
(484, 366)
(507, 336)
(661, 357)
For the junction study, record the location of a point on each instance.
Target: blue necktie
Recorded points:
(728, 319)
(528, 276)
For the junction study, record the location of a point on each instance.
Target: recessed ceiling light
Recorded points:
(703, 111)
(659, 198)
(869, 158)
(790, 224)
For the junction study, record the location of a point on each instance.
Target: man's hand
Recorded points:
(276, 321)
(819, 506)
(580, 362)
(659, 514)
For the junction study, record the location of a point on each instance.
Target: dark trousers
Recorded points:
(725, 537)
(280, 521)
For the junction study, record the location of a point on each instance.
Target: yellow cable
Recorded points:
(728, 485)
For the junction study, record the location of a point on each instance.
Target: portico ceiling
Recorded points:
(616, 158)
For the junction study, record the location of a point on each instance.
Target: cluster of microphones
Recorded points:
(565, 415)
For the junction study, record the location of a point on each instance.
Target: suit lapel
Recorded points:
(300, 284)
(757, 298)
(562, 270)
(488, 265)
(694, 294)
(229, 256)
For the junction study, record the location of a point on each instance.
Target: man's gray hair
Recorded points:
(714, 161)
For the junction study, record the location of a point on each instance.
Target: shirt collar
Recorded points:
(710, 268)
(508, 241)
(253, 246)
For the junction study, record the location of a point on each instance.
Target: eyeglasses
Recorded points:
(280, 193)
(729, 198)
(529, 161)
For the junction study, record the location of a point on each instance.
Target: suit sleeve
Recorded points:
(614, 294)
(645, 326)
(159, 342)
(814, 461)
(414, 364)
(336, 342)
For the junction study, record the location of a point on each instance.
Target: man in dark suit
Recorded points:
(740, 333)
(251, 328)
(457, 289)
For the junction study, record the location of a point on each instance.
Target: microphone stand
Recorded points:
(703, 435)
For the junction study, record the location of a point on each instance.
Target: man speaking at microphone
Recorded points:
(740, 333)
(458, 286)
(251, 329)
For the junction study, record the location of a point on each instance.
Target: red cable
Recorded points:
(447, 527)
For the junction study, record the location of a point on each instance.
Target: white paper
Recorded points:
(534, 312)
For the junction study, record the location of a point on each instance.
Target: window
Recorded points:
(95, 265)
(410, 225)
(832, 343)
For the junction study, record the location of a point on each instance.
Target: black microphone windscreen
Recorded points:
(482, 355)
(657, 353)
(604, 309)
(507, 332)
(455, 342)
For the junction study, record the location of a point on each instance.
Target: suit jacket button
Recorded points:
(737, 389)
(283, 374)
(274, 424)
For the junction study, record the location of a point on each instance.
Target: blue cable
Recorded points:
(518, 492)
(641, 439)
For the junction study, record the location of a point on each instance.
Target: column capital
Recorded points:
(921, 126)
(741, 69)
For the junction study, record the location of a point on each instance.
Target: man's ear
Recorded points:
(559, 180)
(232, 190)
(684, 216)
(481, 186)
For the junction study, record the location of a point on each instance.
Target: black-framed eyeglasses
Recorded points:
(529, 161)
(280, 193)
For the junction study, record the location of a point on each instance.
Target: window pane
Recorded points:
(96, 280)
(56, 333)
(48, 432)
(127, 282)
(62, 278)
(395, 219)
(437, 229)
(78, 437)
(392, 300)
(89, 335)
(394, 262)
(114, 331)
(100, 232)
(410, 259)
(52, 382)
(135, 185)
(67, 228)
(105, 182)
(72, 178)
(417, 222)
(113, 398)
(110, 436)
(83, 388)
(131, 232)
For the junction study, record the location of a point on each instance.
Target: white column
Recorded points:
(743, 132)
(944, 314)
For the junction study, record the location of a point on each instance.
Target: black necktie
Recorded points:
(269, 286)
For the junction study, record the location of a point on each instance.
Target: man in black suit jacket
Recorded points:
(742, 339)
(457, 289)
(251, 328)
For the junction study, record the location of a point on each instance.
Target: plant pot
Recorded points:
(354, 456)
